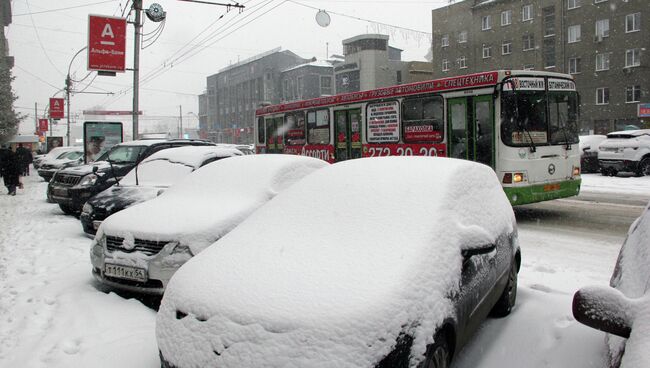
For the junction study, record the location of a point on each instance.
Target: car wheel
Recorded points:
(508, 298)
(439, 353)
(67, 209)
(644, 167)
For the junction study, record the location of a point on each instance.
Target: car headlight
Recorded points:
(88, 180)
(87, 209)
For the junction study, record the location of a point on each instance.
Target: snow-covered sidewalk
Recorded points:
(51, 314)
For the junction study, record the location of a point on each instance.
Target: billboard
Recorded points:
(644, 110)
(99, 137)
(42, 125)
(53, 142)
(106, 43)
(56, 108)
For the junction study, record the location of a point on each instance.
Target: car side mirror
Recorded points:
(605, 309)
(586, 148)
(475, 250)
(95, 169)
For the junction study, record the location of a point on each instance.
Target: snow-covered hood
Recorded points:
(211, 201)
(331, 271)
(102, 166)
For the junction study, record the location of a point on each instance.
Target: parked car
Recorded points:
(52, 155)
(67, 159)
(148, 179)
(70, 188)
(589, 152)
(139, 249)
(627, 150)
(376, 262)
(623, 309)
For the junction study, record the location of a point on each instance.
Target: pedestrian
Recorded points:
(10, 170)
(25, 158)
(4, 154)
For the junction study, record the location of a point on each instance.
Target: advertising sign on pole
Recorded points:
(99, 137)
(42, 125)
(53, 142)
(644, 110)
(56, 108)
(106, 43)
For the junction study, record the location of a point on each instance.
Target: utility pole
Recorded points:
(36, 117)
(180, 117)
(68, 90)
(137, 7)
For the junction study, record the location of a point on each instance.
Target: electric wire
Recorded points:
(38, 37)
(61, 9)
(36, 76)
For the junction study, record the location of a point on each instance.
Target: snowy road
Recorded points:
(51, 314)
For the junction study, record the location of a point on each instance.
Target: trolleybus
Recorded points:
(524, 124)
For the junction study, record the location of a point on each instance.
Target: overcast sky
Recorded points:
(45, 35)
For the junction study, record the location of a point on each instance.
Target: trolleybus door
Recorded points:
(274, 141)
(471, 128)
(347, 134)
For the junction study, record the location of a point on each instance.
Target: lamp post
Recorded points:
(68, 87)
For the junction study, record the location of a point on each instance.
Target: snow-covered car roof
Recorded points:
(212, 200)
(591, 141)
(143, 142)
(628, 133)
(166, 167)
(334, 268)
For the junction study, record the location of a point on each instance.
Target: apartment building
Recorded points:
(602, 43)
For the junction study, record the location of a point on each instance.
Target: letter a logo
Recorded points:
(108, 31)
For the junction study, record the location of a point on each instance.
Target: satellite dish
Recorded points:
(322, 18)
(155, 13)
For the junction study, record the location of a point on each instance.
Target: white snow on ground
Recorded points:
(52, 316)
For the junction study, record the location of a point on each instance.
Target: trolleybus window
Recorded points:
(318, 127)
(261, 131)
(295, 128)
(423, 119)
(382, 122)
(563, 117)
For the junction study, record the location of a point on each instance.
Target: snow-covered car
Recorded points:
(139, 249)
(53, 154)
(627, 150)
(67, 159)
(375, 262)
(623, 309)
(589, 152)
(148, 179)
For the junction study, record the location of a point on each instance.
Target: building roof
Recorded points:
(316, 63)
(366, 36)
(258, 57)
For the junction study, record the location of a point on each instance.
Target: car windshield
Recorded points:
(543, 118)
(123, 154)
(73, 155)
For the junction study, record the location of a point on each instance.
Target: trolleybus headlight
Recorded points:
(518, 177)
(510, 178)
(576, 171)
(507, 178)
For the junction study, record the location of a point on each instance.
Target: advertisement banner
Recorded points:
(377, 150)
(383, 122)
(106, 43)
(644, 110)
(42, 125)
(53, 142)
(56, 108)
(99, 137)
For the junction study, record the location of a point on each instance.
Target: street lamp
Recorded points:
(68, 87)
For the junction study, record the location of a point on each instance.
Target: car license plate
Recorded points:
(96, 224)
(125, 272)
(60, 192)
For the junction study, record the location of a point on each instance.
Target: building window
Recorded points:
(549, 21)
(325, 85)
(632, 58)
(572, 4)
(506, 18)
(486, 23)
(549, 52)
(527, 13)
(633, 94)
(445, 65)
(462, 37)
(574, 34)
(574, 65)
(529, 67)
(462, 62)
(602, 62)
(633, 22)
(602, 28)
(602, 96)
(301, 88)
(529, 42)
(445, 40)
(487, 51)
(506, 48)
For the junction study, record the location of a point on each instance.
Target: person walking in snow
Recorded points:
(25, 158)
(10, 170)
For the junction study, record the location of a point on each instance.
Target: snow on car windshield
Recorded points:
(364, 249)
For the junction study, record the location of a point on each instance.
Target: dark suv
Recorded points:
(72, 187)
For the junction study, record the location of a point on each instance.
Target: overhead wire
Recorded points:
(38, 37)
(61, 9)
(36, 76)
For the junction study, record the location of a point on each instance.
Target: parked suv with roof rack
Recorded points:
(627, 150)
(72, 187)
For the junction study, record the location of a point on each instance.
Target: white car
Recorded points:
(627, 150)
(139, 249)
(71, 158)
(374, 262)
(52, 155)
